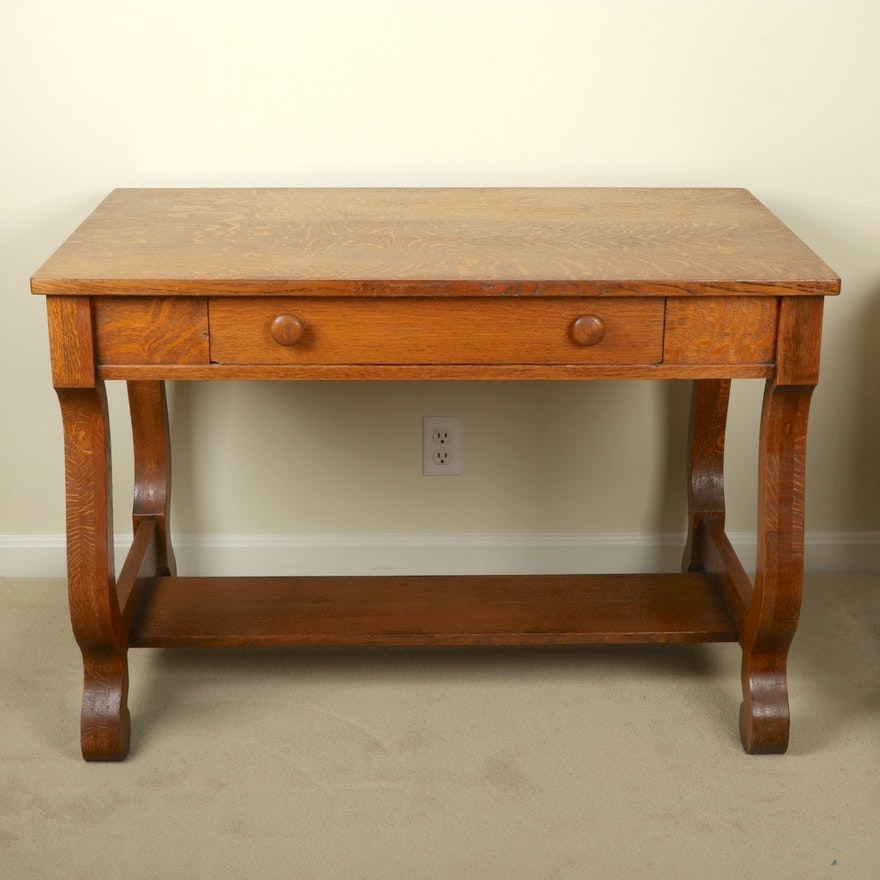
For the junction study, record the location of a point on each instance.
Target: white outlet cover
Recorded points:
(447, 464)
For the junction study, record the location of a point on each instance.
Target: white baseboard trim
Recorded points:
(44, 555)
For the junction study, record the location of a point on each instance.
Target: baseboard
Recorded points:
(44, 555)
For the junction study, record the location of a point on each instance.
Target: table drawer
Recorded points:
(416, 330)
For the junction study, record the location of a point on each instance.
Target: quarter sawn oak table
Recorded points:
(372, 284)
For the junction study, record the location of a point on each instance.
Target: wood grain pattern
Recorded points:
(715, 330)
(71, 343)
(94, 609)
(773, 615)
(434, 284)
(706, 433)
(151, 330)
(479, 610)
(589, 330)
(800, 339)
(418, 331)
(140, 564)
(434, 372)
(151, 443)
(451, 241)
(720, 560)
(771, 621)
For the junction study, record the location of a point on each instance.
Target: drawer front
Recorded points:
(304, 330)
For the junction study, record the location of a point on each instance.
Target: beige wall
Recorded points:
(778, 97)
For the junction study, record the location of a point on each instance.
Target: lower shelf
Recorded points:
(401, 611)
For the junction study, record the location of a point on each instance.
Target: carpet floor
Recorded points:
(606, 762)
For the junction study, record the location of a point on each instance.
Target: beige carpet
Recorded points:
(540, 763)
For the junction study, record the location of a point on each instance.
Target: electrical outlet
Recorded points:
(441, 446)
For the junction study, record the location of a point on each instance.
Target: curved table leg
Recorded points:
(772, 618)
(152, 465)
(709, 400)
(94, 607)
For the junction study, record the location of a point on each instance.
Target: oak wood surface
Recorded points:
(151, 330)
(706, 432)
(434, 331)
(800, 340)
(434, 284)
(140, 563)
(477, 610)
(716, 330)
(151, 446)
(71, 341)
(771, 621)
(95, 615)
(720, 559)
(433, 372)
(553, 242)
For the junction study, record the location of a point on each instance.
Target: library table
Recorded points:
(423, 284)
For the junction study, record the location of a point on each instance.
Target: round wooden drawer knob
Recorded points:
(588, 330)
(287, 330)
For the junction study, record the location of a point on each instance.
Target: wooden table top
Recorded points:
(470, 241)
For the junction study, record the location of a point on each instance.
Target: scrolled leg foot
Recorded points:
(105, 721)
(764, 716)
